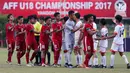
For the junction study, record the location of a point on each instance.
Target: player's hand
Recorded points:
(31, 30)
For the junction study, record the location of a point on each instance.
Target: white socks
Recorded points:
(125, 58)
(78, 59)
(60, 58)
(95, 61)
(66, 57)
(104, 60)
(90, 61)
(112, 60)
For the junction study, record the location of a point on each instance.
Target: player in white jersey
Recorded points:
(103, 44)
(69, 37)
(94, 59)
(117, 44)
(63, 41)
(77, 48)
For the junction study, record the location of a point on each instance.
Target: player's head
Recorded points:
(57, 16)
(41, 19)
(71, 14)
(20, 19)
(32, 19)
(118, 18)
(88, 18)
(48, 20)
(77, 16)
(64, 19)
(35, 17)
(10, 17)
(103, 22)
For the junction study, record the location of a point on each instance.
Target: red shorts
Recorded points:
(88, 47)
(57, 44)
(44, 46)
(32, 44)
(10, 44)
(20, 46)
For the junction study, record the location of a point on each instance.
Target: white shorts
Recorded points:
(95, 46)
(117, 47)
(102, 49)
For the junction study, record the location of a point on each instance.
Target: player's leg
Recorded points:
(27, 55)
(103, 57)
(121, 52)
(60, 55)
(23, 47)
(80, 55)
(35, 48)
(114, 48)
(18, 49)
(95, 60)
(11, 46)
(44, 50)
(76, 55)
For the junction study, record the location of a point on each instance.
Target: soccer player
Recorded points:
(77, 48)
(103, 44)
(69, 37)
(20, 39)
(88, 32)
(30, 40)
(64, 19)
(10, 40)
(57, 37)
(117, 44)
(44, 39)
(94, 59)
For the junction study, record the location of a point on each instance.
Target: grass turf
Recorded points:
(120, 66)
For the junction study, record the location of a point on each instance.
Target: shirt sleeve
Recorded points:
(68, 26)
(116, 30)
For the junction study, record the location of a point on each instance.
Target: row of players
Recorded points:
(70, 34)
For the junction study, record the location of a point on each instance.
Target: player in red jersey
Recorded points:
(57, 37)
(88, 31)
(20, 39)
(44, 39)
(10, 40)
(30, 40)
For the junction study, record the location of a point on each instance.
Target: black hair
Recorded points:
(8, 16)
(65, 18)
(31, 17)
(118, 18)
(48, 17)
(103, 21)
(86, 17)
(77, 15)
(19, 17)
(56, 14)
(41, 18)
(70, 12)
(35, 16)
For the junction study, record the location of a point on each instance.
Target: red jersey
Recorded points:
(29, 32)
(9, 32)
(57, 35)
(43, 36)
(86, 34)
(20, 28)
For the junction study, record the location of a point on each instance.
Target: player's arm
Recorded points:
(10, 28)
(60, 29)
(34, 31)
(91, 32)
(112, 36)
(80, 37)
(74, 30)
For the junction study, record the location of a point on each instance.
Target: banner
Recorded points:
(101, 8)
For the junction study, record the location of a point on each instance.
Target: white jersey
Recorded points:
(104, 33)
(69, 35)
(77, 33)
(95, 27)
(119, 30)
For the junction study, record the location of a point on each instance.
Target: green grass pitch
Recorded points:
(120, 66)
